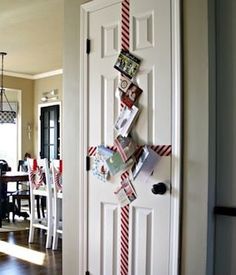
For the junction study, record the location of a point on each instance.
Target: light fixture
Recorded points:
(29, 130)
(6, 116)
(50, 96)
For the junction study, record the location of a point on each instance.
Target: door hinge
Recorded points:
(87, 163)
(88, 46)
(86, 272)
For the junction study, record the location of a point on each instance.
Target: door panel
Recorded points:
(149, 213)
(150, 40)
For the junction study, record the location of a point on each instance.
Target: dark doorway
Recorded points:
(50, 132)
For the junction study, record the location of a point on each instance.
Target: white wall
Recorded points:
(196, 135)
(71, 138)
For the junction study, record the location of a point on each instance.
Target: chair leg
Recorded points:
(38, 206)
(13, 208)
(43, 206)
(32, 220)
(55, 225)
(29, 206)
(31, 233)
(49, 225)
(8, 209)
(19, 204)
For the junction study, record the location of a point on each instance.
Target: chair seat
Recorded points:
(40, 192)
(59, 195)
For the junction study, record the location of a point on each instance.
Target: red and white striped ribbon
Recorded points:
(161, 150)
(124, 29)
(124, 233)
(93, 150)
(37, 176)
(58, 176)
(124, 249)
(125, 25)
(58, 181)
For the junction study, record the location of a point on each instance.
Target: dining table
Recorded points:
(11, 176)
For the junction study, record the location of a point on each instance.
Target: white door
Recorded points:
(150, 215)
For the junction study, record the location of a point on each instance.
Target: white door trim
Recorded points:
(176, 134)
(176, 173)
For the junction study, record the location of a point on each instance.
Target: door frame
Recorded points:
(40, 106)
(176, 137)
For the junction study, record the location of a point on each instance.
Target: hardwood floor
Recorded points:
(48, 262)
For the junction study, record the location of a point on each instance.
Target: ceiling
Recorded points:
(31, 33)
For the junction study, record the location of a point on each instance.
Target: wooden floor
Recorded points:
(13, 265)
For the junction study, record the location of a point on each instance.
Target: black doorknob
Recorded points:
(159, 188)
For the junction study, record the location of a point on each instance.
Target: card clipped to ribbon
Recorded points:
(125, 120)
(125, 146)
(127, 64)
(125, 193)
(115, 163)
(124, 83)
(145, 165)
(129, 92)
(99, 167)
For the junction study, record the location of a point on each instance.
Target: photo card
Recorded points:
(131, 95)
(124, 83)
(127, 64)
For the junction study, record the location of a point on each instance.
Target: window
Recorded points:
(8, 144)
(8, 140)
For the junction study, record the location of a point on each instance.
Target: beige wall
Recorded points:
(26, 87)
(28, 96)
(41, 86)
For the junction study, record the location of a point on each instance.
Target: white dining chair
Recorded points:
(56, 166)
(40, 185)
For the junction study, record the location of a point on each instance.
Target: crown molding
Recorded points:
(48, 74)
(35, 76)
(27, 76)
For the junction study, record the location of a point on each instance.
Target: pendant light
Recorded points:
(6, 116)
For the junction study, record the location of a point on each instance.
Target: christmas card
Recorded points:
(126, 120)
(125, 146)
